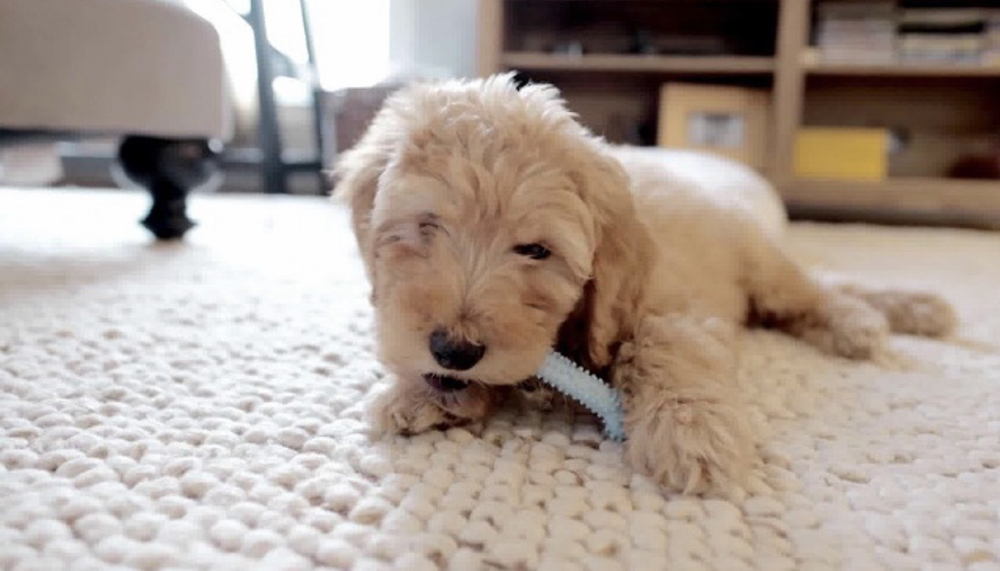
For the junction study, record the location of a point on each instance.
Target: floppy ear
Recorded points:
(357, 173)
(622, 257)
(358, 169)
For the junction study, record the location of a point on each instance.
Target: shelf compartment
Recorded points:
(935, 123)
(646, 27)
(734, 65)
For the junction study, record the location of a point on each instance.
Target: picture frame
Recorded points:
(731, 121)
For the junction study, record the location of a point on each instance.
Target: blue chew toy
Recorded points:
(570, 379)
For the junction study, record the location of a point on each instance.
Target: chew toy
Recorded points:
(570, 379)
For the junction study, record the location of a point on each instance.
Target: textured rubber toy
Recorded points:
(573, 381)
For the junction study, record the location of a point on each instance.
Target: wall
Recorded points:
(433, 38)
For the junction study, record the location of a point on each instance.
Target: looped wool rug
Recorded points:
(200, 406)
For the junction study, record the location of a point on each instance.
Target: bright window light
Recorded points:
(351, 37)
(352, 42)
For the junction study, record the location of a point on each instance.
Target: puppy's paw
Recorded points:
(534, 394)
(908, 312)
(848, 327)
(411, 408)
(915, 313)
(691, 446)
(400, 409)
(924, 314)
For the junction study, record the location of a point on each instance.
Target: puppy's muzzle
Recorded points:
(454, 354)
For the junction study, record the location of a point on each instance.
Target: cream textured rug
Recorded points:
(198, 406)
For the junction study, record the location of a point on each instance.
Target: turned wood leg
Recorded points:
(168, 169)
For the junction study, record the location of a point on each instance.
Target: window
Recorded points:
(351, 38)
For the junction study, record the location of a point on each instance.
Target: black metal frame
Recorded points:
(274, 167)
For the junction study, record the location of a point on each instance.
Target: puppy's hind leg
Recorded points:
(783, 296)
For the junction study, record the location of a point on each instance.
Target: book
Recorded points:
(942, 18)
(943, 35)
(966, 48)
(991, 50)
(856, 32)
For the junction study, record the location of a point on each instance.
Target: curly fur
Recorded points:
(649, 279)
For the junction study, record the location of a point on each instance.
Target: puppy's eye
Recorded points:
(533, 251)
(427, 227)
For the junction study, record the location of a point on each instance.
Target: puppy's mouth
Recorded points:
(445, 384)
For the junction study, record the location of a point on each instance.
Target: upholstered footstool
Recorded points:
(148, 70)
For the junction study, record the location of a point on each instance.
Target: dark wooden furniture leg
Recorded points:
(168, 169)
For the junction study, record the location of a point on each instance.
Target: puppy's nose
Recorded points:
(454, 354)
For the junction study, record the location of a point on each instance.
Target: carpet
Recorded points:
(199, 406)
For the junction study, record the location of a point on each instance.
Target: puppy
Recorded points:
(494, 227)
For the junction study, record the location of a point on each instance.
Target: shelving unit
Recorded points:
(946, 108)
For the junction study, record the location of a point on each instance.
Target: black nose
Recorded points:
(453, 354)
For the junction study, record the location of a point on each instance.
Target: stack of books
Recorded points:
(943, 35)
(991, 55)
(880, 32)
(856, 32)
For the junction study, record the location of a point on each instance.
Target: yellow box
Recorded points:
(842, 153)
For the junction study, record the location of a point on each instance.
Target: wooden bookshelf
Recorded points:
(945, 106)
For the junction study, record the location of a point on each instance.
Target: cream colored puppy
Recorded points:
(494, 227)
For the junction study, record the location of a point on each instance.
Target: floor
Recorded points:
(200, 406)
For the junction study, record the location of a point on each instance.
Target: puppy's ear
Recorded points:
(357, 174)
(622, 257)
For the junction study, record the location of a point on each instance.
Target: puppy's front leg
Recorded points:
(684, 418)
(409, 406)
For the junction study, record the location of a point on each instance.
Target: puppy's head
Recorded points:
(483, 214)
